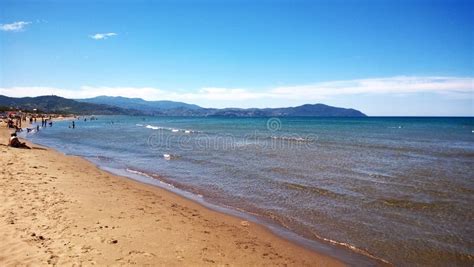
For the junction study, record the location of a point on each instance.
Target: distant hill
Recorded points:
(171, 108)
(308, 110)
(105, 105)
(151, 107)
(60, 105)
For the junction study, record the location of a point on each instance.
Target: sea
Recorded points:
(369, 191)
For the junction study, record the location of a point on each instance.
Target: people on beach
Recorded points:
(15, 142)
(10, 123)
(14, 125)
(73, 125)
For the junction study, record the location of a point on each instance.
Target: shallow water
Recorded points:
(400, 189)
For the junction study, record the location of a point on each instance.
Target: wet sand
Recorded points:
(63, 210)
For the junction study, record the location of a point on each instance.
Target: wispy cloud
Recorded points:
(103, 36)
(453, 86)
(390, 85)
(459, 87)
(15, 26)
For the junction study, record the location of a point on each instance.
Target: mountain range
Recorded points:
(60, 105)
(106, 105)
(138, 103)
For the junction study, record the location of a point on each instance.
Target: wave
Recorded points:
(138, 172)
(293, 139)
(170, 156)
(151, 176)
(174, 130)
(350, 247)
(154, 127)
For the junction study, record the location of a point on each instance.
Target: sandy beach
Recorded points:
(63, 210)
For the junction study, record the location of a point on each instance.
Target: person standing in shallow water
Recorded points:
(73, 125)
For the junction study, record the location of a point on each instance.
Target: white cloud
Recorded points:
(14, 27)
(459, 87)
(453, 86)
(103, 36)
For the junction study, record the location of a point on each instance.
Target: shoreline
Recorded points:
(194, 234)
(339, 251)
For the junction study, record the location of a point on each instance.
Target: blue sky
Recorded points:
(382, 57)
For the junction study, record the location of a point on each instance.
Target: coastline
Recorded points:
(61, 209)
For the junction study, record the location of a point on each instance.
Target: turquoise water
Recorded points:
(400, 189)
